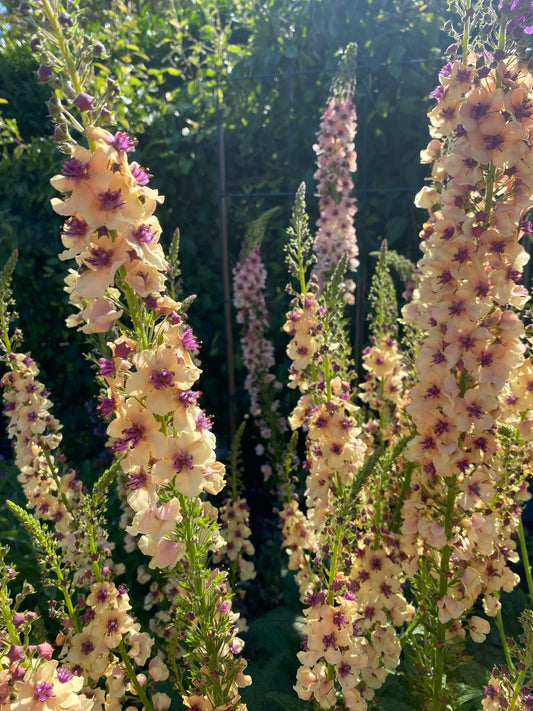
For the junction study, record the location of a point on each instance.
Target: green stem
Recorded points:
(409, 629)
(520, 679)
(489, 192)
(10, 627)
(525, 558)
(5, 334)
(333, 565)
(466, 32)
(133, 677)
(66, 596)
(406, 485)
(503, 638)
(133, 310)
(67, 56)
(55, 476)
(438, 678)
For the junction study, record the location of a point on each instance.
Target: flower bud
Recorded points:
(18, 619)
(25, 9)
(15, 653)
(18, 673)
(84, 101)
(44, 73)
(61, 133)
(99, 49)
(65, 19)
(45, 650)
(54, 107)
(35, 44)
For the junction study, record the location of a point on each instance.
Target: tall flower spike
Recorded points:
(464, 505)
(161, 439)
(336, 161)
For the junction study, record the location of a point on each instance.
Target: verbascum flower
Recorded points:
(336, 161)
(110, 227)
(470, 365)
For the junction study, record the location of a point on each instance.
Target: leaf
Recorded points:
(468, 693)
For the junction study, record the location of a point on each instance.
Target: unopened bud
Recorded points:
(99, 49)
(45, 73)
(35, 44)
(84, 101)
(25, 9)
(18, 618)
(54, 107)
(15, 653)
(65, 19)
(61, 133)
(45, 650)
(18, 673)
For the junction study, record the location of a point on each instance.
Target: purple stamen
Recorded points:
(75, 170)
(43, 690)
(144, 234)
(121, 141)
(111, 200)
(182, 461)
(100, 257)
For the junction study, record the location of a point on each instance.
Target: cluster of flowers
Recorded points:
(159, 434)
(249, 280)
(98, 619)
(383, 390)
(235, 530)
(110, 227)
(336, 161)
(472, 378)
(349, 565)
(36, 434)
(51, 488)
(164, 451)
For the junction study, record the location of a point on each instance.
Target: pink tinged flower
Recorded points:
(473, 411)
(160, 376)
(98, 316)
(449, 609)
(136, 431)
(187, 457)
(83, 176)
(167, 553)
(157, 669)
(478, 628)
(161, 701)
(74, 236)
